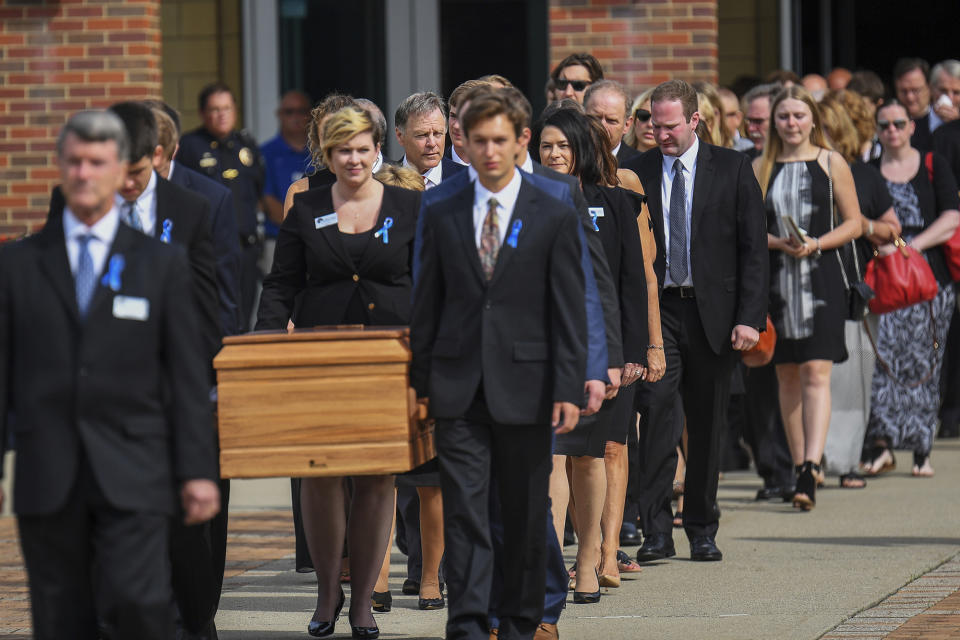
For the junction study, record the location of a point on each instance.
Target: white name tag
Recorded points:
(129, 308)
(325, 221)
(595, 212)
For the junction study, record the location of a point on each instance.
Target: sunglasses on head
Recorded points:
(642, 115)
(578, 85)
(899, 124)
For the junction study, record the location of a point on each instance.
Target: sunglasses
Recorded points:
(642, 115)
(899, 124)
(578, 85)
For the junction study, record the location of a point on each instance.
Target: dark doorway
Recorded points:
(332, 45)
(508, 37)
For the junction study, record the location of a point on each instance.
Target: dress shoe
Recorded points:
(365, 633)
(586, 597)
(656, 546)
(704, 549)
(629, 536)
(410, 587)
(323, 629)
(382, 602)
(432, 604)
(769, 493)
(546, 631)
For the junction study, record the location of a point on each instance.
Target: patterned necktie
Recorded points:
(678, 226)
(86, 279)
(130, 216)
(490, 239)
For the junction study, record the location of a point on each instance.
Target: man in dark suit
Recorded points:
(105, 391)
(421, 122)
(707, 206)
(226, 245)
(913, 92)
(608, 102)
(498, 363)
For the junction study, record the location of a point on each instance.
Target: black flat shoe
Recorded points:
(323, 629)
(769, 493)
(410, 587)
(365, 633)
(704, 549)
(656, 546)
(629, 536)
(381, 602)
(432, 604)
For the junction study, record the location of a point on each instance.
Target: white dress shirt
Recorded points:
(456, 158)
(145, 206)
(103, 232)
(689, 161)
(506, 202)
(616, 149)
(432, 177)
(935, 120)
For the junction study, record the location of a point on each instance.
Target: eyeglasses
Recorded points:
(899, 124)
(578, 85)
(641, 115)
(757, 122)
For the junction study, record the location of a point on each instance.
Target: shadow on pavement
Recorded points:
(864, 541)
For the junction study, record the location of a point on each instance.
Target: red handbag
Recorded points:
(900, 280)
(951, 248)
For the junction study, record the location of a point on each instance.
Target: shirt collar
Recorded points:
(616, 149)
(170, 172)
(506, 197)
(103, 229)
(434, 175)
(147, 193)
(378, 162)
(456, 157)
(687, 158)
(527, 164)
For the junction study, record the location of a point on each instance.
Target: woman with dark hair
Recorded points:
(905, 394)
(572, 143)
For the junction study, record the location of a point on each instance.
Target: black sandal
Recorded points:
(806, 496)
(853, 477)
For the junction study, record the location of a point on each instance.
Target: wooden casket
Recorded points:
(318, 402)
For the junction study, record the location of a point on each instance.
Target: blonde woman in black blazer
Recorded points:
(347, 248)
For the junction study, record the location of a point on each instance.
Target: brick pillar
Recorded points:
(58, 57)
(639, 44)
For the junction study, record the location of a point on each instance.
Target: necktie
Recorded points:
(130, 215)
(490, 239)
(86, 279)
(678, 226)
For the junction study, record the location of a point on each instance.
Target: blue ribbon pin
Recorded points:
(167, 227)
(593, 218)
(111, 278)
(514, 232)
(385, 231)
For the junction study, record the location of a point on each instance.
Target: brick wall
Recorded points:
(639, 44)
(58, 57)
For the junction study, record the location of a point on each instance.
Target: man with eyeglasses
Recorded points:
(733, 118)
(913, 92)
(574, 74)
(756, 106)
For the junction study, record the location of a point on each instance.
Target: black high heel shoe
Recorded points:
(365, 633)
(588, 597)
(323, 629)
(805, 497)
(432, 604)
(382, 602)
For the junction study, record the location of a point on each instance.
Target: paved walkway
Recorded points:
(877, 563)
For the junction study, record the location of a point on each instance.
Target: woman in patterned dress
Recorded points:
(905, 400)
(807, 295)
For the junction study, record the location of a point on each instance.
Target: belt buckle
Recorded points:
(687, 292)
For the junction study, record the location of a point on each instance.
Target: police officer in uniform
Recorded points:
(232, 158)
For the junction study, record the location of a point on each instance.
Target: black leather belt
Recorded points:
(681, 292)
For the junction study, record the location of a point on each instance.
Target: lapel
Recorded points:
(161, 200)
(654, 173)
(55, 265)
(372, 253)
(701, 187)
(462, 207)
(122, 243)
(526, 203)
(330, 233)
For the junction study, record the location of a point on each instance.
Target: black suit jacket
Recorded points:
(316, 262)
(190, 215)
(946, 142)
(922, 138)
(226, 241)
(728, 243)
(609, 299)
(522, 333)
(625, 152)
(130, 395)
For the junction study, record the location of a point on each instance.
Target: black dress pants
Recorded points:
(472, 451)
(90, 564)
(763, 428)
(700, 380)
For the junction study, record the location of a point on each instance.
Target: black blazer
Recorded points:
(601, 270)
(523, 333)
(625, 152)
(728, 244)
(316, 262)
(922, 138)
(129, 394)
(226, 241)
(190, 215)
(621, 244)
